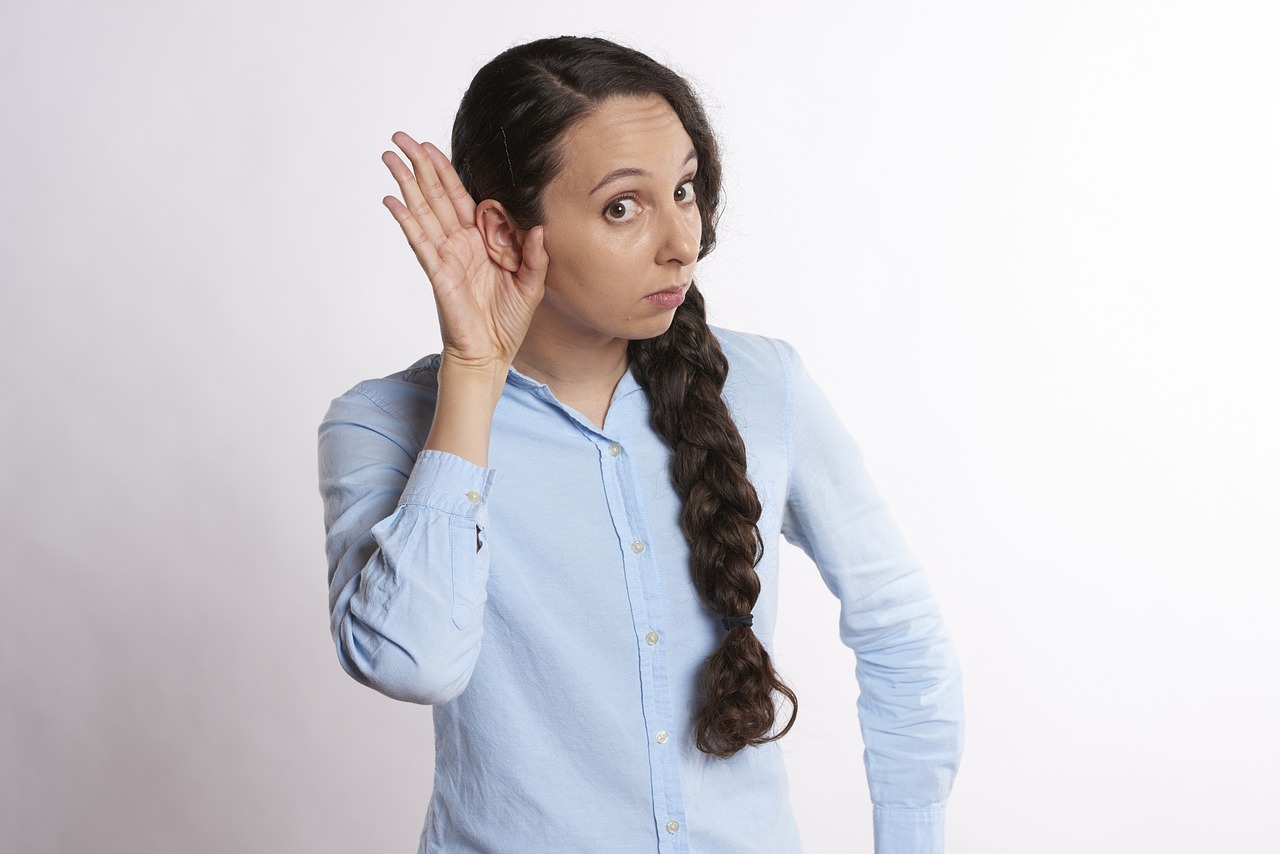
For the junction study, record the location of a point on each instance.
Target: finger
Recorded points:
(423, 246)
(413, 200)
(463, 204)
(433, 191)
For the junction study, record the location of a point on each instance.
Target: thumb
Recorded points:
(533, 261)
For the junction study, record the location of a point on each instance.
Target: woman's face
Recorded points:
(621, 224)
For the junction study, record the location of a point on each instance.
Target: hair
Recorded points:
(506, 147)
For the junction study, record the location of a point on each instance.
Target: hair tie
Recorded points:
(740, 620)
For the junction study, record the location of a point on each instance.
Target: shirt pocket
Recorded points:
(469, 563)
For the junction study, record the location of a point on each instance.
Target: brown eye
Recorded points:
(621, 210)
(685, 192)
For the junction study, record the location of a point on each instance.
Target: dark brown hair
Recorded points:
(505, 148)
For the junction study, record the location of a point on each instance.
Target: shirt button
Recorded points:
(473, 496)
(661, 737)
(615, 449)
(651, 638)
(637, 547)
(673, 826)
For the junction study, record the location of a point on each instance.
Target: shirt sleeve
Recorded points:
(405, 541)
(910, 705)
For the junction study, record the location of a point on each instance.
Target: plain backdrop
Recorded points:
(1028, 248)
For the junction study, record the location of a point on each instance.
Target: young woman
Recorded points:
(562, 530)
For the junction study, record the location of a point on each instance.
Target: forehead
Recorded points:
(640, 132)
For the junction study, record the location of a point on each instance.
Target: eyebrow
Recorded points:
(632, 172)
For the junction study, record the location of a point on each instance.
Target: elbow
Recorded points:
(421, 685)
(411, 677)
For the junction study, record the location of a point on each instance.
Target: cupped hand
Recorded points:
(484, 308)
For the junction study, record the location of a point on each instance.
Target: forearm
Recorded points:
(910, 704)
(405, 533)
(463, 419)
(409, 593)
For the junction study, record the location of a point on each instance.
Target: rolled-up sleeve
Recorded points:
(405, 541)
(910, 705)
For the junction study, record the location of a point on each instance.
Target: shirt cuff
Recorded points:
(449, 484)
(910, 830)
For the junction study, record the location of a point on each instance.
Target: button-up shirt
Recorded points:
(544, 606)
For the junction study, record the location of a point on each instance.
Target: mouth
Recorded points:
(671, 298)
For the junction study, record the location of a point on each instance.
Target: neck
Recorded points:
(580, 373)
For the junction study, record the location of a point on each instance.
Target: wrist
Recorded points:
(472, 379)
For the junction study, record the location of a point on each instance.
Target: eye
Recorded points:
(622, 210)
(685, 192)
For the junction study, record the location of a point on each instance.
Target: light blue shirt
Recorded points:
(544, 607)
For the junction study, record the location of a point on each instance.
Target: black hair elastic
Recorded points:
(740, 620)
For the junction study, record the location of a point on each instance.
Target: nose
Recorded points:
(682, 236)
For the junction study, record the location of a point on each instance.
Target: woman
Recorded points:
(562, 531)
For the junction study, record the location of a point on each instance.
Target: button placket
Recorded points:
(643, 579)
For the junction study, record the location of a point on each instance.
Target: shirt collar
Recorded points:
(627, 385)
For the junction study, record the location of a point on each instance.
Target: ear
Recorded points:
(501, 237)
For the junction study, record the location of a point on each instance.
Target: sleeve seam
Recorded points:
(377, 401)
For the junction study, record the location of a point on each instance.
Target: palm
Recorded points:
(484, 308)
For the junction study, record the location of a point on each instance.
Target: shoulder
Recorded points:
(399, 405)
(757, 360)
(760, 389)
(760, 394)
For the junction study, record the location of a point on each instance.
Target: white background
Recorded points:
(1029, 249)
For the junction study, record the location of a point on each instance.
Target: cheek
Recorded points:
(695, 224)
(618, 250)
(569, 256)
(577, 266)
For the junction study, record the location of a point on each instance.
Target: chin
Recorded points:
(653, 328)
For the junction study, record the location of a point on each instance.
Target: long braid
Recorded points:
(684, 372)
